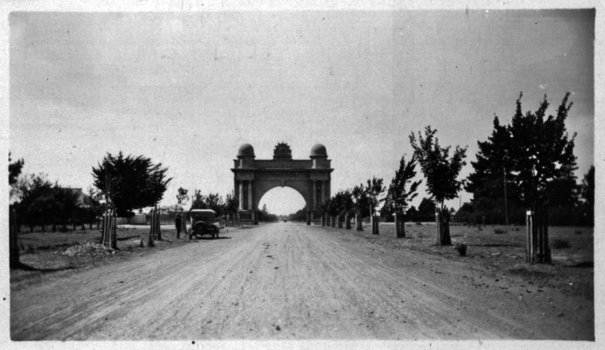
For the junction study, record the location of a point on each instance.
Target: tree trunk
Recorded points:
(333, 221)
(114, 233)
(13, 240)
(399, 225)
(348, 221)
(358, 220)
(340, 220)
(90, 225)
(323, 220)
(443, 227)
(54, 226)
(308, 218)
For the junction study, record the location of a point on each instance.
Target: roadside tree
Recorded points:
(398, 197)
(231, 206)
(361, 204)
(587, 191)
(374, 191)
(441, 173)
(130, 182)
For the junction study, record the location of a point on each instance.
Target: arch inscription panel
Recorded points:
(254, 177)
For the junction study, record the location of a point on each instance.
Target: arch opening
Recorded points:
(282, 201)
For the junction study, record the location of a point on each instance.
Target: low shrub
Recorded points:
(561, 244)
(499, 231)
(461, 248)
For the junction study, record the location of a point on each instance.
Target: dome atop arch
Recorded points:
(246, 150)
(319, 150)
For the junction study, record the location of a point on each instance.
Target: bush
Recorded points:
(461, 248)
(560, 244)
(499, 231)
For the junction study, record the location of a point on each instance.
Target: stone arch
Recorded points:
(255, 177)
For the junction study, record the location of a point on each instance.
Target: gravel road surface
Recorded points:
(289, 281)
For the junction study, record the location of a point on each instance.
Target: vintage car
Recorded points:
(203, 223)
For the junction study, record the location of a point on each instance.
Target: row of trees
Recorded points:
(528, 164)
(360, 201)
(121, 183)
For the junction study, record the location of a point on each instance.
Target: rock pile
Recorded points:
(88, 249)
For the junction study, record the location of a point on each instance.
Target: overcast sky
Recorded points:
(188, 89)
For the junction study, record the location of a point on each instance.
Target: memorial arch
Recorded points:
(254, 177)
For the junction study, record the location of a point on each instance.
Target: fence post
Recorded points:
(438, 225)
(529, 229)
(375, 220)
(159, 227)
(152, 228)
(114, 228)
(548, 256)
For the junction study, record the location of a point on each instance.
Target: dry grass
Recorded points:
(572, 269)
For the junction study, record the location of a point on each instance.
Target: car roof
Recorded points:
(202, 211)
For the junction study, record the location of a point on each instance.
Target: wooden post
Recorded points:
(375, 220)
(438, 225)
(152, 229)
(308, 218)
(159, 228)
(114, 228)
(547, 255)
(529, 231)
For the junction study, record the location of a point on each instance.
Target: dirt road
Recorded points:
(290, 281)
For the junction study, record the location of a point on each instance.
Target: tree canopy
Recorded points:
(14, 169)
(398, 197)
(439, 169)
(534, 154)
(132, 182)
(212, 201)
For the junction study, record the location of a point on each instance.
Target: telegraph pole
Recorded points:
(505, 199)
